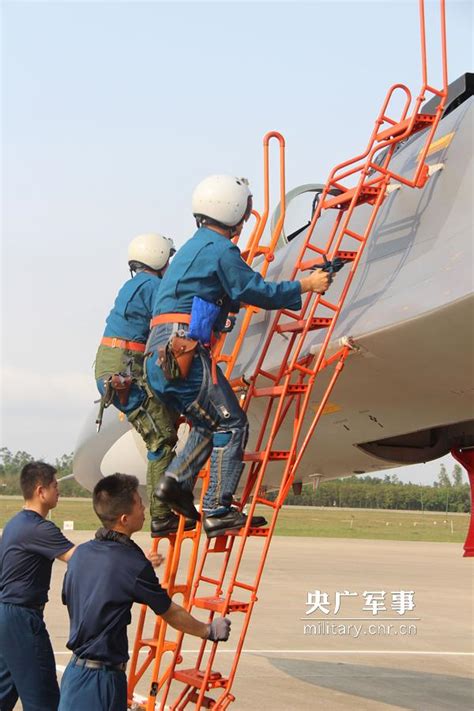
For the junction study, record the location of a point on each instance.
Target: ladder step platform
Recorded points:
(260, 532)
(218, 604)
(367, 194)
(296, 389)
(167, 646)
(346, 255)
(299, 326)
(195, 677)
(421, 122)
(275, 455)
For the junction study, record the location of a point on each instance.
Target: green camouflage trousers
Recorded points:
(151, 419)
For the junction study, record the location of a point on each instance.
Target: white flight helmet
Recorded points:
(152, 250)
(223, 198)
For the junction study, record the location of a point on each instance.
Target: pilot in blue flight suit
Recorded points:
(119, 367)
(28, 548)
(209, 273)
(105, 577)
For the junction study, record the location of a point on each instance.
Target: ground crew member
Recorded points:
(105, 577)
(209, 273)
(119, 367)
(28, 548)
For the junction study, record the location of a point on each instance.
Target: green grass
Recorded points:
(293, 521)
(362, 523)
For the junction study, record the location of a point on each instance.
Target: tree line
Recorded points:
(12, 464)
(448, 493)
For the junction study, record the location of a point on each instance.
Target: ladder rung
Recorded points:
(180, 589)
(435, 91)
(389, 120)
(303, 369)
(274, 455)
(327, 304)
(367, 193)
(265, 502)
(203, 579)
(313, 248)
(421, 121)
(195, 677)
(299, 326)
(277, 390)
(244, 586)
(224, 358)
(218, 604)
(167, 646)
(290, 314)
(353, 234)
(267, 375)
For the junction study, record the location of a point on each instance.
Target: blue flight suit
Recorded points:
(129, 320)
(108, 575)
(28, 548)
(209, 265)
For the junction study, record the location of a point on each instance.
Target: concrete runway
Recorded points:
(423, 663)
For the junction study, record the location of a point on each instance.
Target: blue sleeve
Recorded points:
(144, 295)
(241, 283)
(49, 541)
(148, 591)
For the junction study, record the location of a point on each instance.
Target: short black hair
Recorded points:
(34, 474)
(113, 496)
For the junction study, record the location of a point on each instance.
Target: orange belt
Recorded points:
(120, 343)
(170, 318)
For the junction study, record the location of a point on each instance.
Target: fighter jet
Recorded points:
(406, 394)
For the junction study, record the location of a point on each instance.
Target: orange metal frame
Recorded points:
(289, 391)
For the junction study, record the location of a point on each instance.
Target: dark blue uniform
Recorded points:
(28, 548)
(209, 265)
(104, 578)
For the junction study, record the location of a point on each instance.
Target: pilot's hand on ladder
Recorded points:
(317, 281)
(219, 629)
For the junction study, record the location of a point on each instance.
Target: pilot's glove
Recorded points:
(219, 630)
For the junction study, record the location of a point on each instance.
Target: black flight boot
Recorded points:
(179, 499)
(233, 519)
(169, 524)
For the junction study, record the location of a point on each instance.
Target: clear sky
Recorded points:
(113, 111)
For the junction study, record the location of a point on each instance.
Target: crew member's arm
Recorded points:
(50, 542)
(148, 590)
(218, 630)
(241, 283)
(65, 557)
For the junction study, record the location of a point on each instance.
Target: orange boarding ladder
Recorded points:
(155, 645)
(290, 389)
